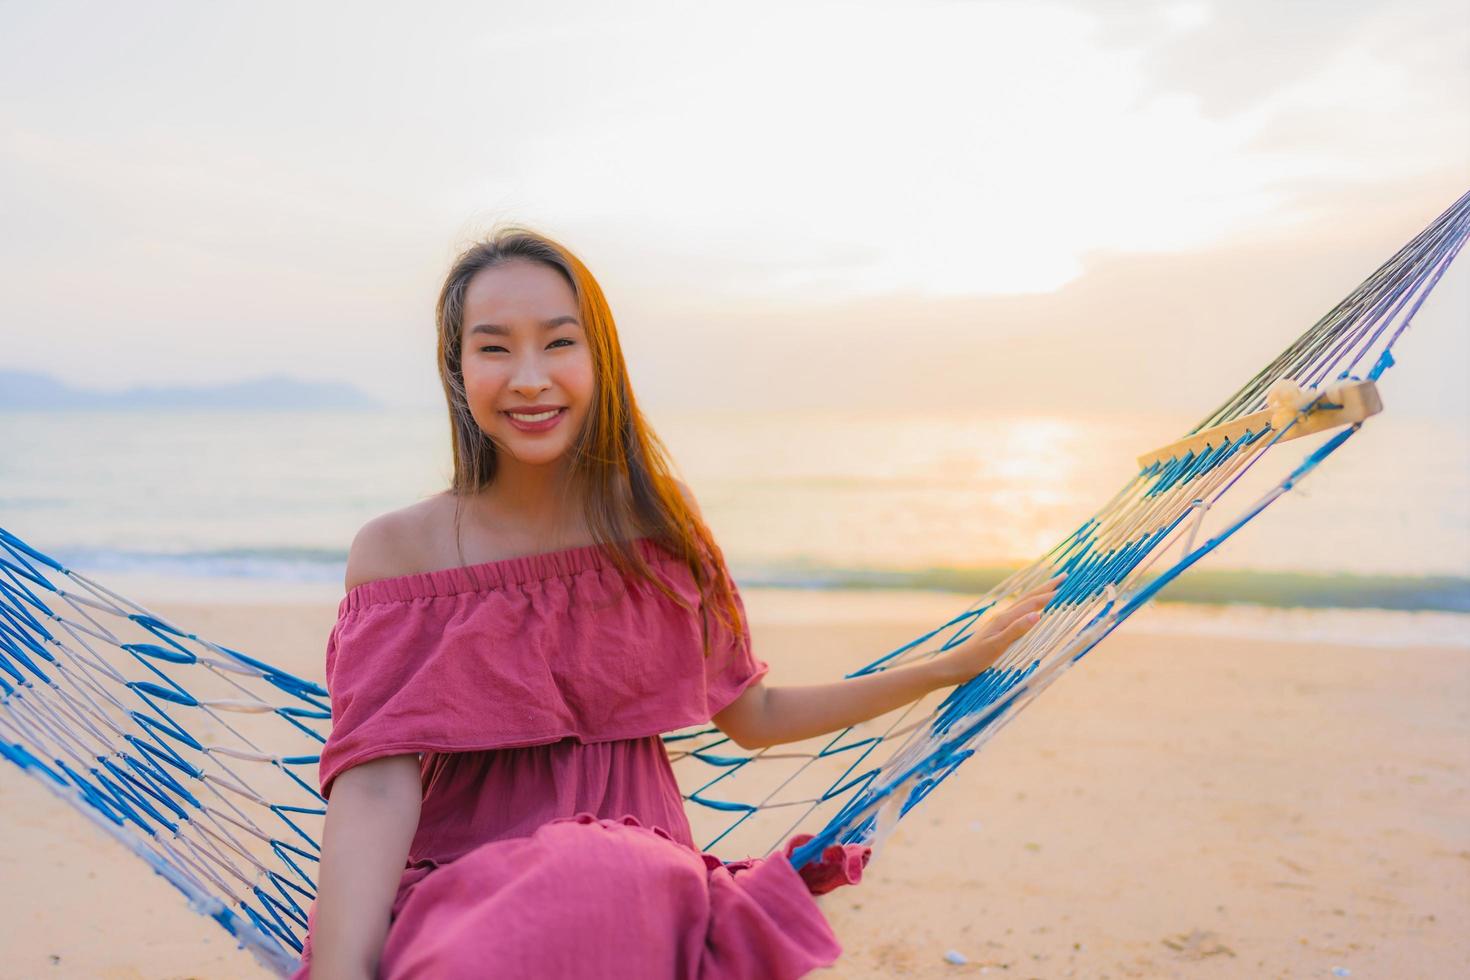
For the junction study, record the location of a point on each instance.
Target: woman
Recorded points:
(508, 654)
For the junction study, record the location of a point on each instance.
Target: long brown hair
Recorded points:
(616, 447)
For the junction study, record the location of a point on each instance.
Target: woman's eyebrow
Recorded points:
(500, 331)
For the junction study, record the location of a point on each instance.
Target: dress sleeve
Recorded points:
(732, 666)
(379, 705)
(425, 676)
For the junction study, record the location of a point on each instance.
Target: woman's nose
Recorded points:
(529, 372)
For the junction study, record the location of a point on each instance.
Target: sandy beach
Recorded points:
(1184, 803)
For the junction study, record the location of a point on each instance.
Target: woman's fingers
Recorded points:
(994, 644)
(1050, 585)
(981, 651)
(1020, 608)
(1045, 590)
(997, 628)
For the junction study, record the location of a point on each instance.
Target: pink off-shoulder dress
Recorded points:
(552, 840)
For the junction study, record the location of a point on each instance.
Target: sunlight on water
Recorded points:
(919, 491)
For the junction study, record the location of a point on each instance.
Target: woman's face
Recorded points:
(525, 350)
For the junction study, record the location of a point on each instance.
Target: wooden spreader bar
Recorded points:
(1358, 400)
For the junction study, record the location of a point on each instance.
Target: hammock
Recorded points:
(202, 759)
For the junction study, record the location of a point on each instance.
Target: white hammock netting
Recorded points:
(202, 759)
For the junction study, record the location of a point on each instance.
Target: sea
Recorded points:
(263, 504)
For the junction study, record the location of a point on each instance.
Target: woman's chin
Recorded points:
(528, 453)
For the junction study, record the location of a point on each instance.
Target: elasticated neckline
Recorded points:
(490, 575)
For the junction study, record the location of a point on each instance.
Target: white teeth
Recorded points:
(541, 417)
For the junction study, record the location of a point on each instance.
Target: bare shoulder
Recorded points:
(376, 551)
(389, 545)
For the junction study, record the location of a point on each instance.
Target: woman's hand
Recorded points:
(1000, 630)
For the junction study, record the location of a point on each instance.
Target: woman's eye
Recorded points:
(558, 340)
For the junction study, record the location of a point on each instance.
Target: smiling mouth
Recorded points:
(537, 421)
(541, 416)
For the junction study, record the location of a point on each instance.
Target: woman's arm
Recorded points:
(371, 819)
(764, 716)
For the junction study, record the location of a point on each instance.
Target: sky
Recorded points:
(976, 206)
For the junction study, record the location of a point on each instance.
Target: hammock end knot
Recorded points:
(1286, 399)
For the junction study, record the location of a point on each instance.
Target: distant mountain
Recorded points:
(31, 390)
